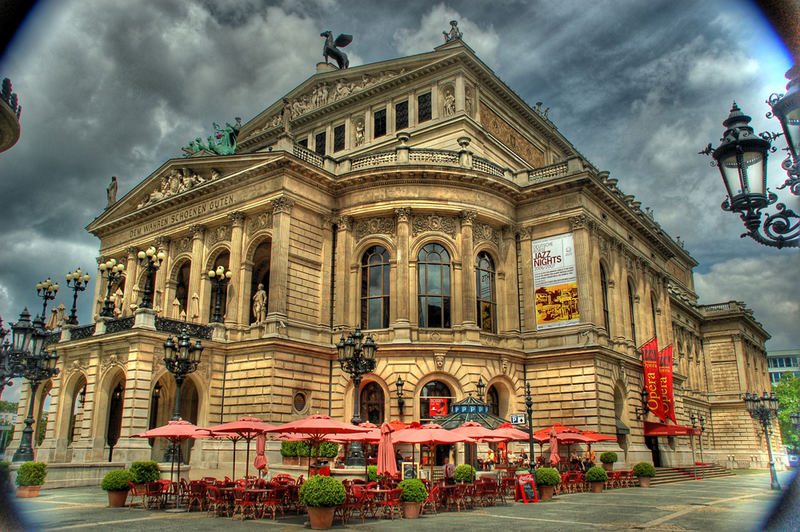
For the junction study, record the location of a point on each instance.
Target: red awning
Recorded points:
(662, 429)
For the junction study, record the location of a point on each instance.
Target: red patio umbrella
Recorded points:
(176, 432)
(245, 427)
(386, 462)
(597, 437)
(479, 433)
(554, 458)
(261, 460)
(430, 434)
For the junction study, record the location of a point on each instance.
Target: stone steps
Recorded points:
(665, 475)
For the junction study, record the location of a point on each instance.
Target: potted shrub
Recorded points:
(30, 478)
(608, 458)
(289, 453)
(522, 470)
(414, 494)
(547, 478)
(596, 476)
(644, 471)
(321, 495)
(372, 473)
(144, 472)
(116, 484)
(304, 452)
(464, 473)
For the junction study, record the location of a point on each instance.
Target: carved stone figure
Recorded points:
(359, 132)
(176, 307)
(195, 306)
(468, 100)
(454, 32)
(60, 315)
(118, 297)
(449, 102)
(331, 48)
(286, 116)
(260, 304)
(52, 320)
(111, 192)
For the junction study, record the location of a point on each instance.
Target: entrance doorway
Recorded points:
(652, 443)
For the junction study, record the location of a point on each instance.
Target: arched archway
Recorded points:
(372, 403)
(223, 259)
(181, 294)
(162, 407)
(261, 270)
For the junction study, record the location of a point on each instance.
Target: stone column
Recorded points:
(342, 317)
(234, 288)
(99, 289)
(325, 317)
(617, 290)
(526, 275)
(193, 311)
(508, 302)
(131, 276)
(279, 259)
(459, 89)
(468, 306)
(644, 297)
(583, 259)
(400, 300)
(160, 289)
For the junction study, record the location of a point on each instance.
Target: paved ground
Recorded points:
(729, 504)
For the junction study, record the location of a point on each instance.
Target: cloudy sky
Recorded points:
(116, 88)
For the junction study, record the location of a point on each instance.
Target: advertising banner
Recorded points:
(651, 378)
(665, 379)
(555, 282)
(438, 406)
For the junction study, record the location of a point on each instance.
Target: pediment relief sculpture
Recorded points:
(174, 183)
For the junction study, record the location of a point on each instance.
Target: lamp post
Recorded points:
(180, 359)
(763, 409)
(357, 358)
(529, 410)
(481, 386)
(47, 290)
(34, 364)
(7, 363)
(742, 160)
(151, 261)
(400, 401)
(220, 277)
(78, 281)
(702, 430)
(113, 273)
(642, 411)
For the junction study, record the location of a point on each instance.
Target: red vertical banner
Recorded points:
(665, 380)
(651, 378)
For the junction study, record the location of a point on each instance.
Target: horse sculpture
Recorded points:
(330, 49)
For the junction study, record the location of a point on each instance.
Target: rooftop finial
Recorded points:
(454, 34)
(330, 48)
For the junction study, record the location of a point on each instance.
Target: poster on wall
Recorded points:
(555, 282)
(438, 406)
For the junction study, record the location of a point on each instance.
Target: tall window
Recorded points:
(485, 291)
(493, 400)
(401, 115)
(442, 399)
(379, 123)
(434, 287)
(632, 311)
(372, 403)
(653, 308)
(319, 143)
(375, 288)
(604, 289)
(423, 107)
(182, 288)
(338, 138)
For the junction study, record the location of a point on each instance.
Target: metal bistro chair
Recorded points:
(245, 503)
(434, 500)
(154, 495)
(392, 503)
(196, 495)
(136, 491)
(217, 501)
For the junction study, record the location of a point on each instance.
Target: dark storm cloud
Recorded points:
(115, 88)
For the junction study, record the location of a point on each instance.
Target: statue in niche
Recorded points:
(195, 306)
(468, 100)
(359, 132)
(286, 117)
(260, 304)
(176, 308)
(111, 192)
(449, 102)
(331, 48)
(118, 297)
(454, 34)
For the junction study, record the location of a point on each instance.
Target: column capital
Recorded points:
(282, 204)
(467, 217)
(131, 251)
(578, 222)
(237, 217)
(197, 230)
(162, 241)
(403, 214)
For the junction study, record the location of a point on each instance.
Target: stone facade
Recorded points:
(374, 164)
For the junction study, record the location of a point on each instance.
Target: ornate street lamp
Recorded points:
(763, 410)
(357, 358)
(220, 278)
(702, 430)
(113, 273)
(7, 364)
(642, 411)
(481, 386)
(47, 290)
(181, 359)
(400, 401)
(742, 161)
(150, 260)
(36, 365)
(78, 281)
(529, 411)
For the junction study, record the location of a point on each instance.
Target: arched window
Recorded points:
(222, 260)
(604, 290)
(493, 400)
(182, 288)
(434, 401)
(653, 307)
(261, 264)
(485, 291)
(372, 403)
(375, 288)
(632, 311)
(434, 287)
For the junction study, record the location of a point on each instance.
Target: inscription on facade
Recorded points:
(182, 215)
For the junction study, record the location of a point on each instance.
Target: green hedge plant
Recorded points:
(464, 473)
(117, 480)
(31, 474)
(288, 448)
(372, 473)
(547, 476)
(413, 490)
(596, 474)
(322, 492)
(145, 471)
(5, 475)
(608, 457)
(523, 469)
(644, 469)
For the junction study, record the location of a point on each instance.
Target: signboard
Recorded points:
(665, 382)
(409, 470)
(525, 489)
(555, 282)
(652, 381)
(517, 419)
(438, 406)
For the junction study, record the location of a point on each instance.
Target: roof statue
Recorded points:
(331, 48)
(111, 192)
(454, 34)
(225, 143)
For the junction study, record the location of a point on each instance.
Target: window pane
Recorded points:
(424, 107)
(386, 280)
(338, 138)
(423, 273)
(365, 313)
(434, 280)
(319, 143)
(446, 281)
(446, 312)
(380, 123)
(375, 281)
(401, 115)
(375, 314)
(423, 314)
(385, 312)
(434, 312)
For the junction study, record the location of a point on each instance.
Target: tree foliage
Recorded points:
(788, 392)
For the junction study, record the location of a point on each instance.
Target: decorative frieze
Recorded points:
(219, 234)
(184, 245)
(262, 221)
(433, 222)
(485, 233)
(375, 226)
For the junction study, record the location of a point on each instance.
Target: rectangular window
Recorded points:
(423, 107)
(303, 142)
(401, 115)
(319, 143)
(338, 138)
(379, 122)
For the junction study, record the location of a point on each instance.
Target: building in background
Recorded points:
(783, 361)
(423, 201)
